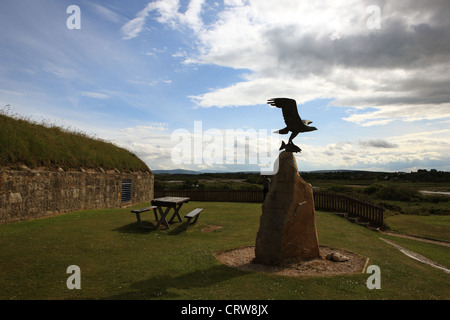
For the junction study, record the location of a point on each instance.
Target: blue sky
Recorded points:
(373, 76)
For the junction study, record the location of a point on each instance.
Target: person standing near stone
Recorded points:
(266, 186)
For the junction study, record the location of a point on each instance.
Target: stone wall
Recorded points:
(31, 194)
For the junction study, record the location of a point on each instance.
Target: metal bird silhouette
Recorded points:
(294, 123)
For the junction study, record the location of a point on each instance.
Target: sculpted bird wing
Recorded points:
(289, 109)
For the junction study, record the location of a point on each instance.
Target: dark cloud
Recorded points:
(396, 45)
(376, 143)
(406, 61)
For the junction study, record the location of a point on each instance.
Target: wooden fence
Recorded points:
(322, 201)
(342, 203)
(214, 195)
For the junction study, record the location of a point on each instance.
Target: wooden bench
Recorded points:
(139, 211)
(194, 214)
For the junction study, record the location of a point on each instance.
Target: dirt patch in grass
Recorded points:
(211, 228)
(242, 258)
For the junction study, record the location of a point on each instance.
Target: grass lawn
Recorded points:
(119, 261)
(433, 226)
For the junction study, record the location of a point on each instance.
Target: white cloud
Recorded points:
(150, 142)
(147, 130)
(13, 93)
(394, 153)
(132, 28)
(168, 14)
(106, 13)
(192, 16)
(94, 95)
(387, 113)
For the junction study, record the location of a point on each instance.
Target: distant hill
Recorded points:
(24, 142)
(176, 171)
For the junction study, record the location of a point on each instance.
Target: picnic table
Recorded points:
(168, 203)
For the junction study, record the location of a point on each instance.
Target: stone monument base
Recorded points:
(287, 228)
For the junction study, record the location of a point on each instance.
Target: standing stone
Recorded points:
(287, 225)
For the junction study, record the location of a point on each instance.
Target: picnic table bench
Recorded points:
(194, 214)
(168, 203)
(139, 211)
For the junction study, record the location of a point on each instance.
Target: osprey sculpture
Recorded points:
(294, 123)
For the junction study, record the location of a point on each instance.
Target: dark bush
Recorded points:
(398, 193)
(372, 189)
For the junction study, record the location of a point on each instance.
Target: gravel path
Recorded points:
(417, 256)
(441, 243)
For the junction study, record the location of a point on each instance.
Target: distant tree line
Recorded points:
(253, 180)
(422, 175)
(210, 181)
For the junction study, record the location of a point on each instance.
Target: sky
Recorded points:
(184, 83)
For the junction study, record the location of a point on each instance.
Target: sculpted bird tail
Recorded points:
(282, 131)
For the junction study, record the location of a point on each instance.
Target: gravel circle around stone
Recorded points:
(241, 258)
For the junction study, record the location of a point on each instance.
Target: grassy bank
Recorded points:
(24, 142)
(120, 261)
(435, 227)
